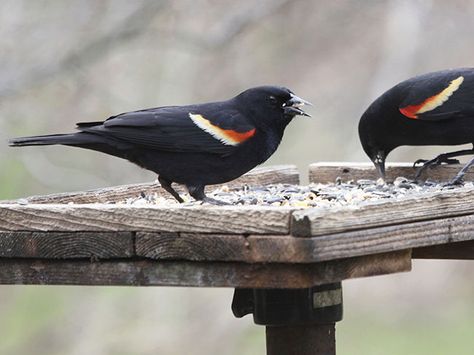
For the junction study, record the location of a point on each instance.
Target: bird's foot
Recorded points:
(440, 159)
(214, 201)
(166, 184)
(448, 161)
(420, 170)
(458, 180)
(418, 162)
(197, 192)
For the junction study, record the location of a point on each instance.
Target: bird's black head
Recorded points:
(272, 103)
(373, 137)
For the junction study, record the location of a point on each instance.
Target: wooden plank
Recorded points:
(327, 172)
(226, 247)
(396, 237)
(441, 204)
(278, 174)
(205, 219)
(457, 251)
(169, 246)
(192, 246)
(290, 249)
(186, 273)
(248, 249)
(64, 245)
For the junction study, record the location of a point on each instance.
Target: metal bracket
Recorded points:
(283, 307)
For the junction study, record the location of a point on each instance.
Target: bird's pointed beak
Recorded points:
(379, 163)
(294, 104)
(380, 169)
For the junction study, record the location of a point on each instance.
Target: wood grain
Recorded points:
(200, 274)
(251, 249)
(395, 237)
(192, 246)
(206, 219)
(442, 204)
(201, 247)
(226, 247)
(456, 251)
(58, 245)
(290, 249)
(277, 174)
(327, 172)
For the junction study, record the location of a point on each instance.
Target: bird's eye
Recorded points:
(273, 99)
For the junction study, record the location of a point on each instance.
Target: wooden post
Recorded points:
(298, 321)
(316, 339)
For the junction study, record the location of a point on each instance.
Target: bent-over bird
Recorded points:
(194, 145)
(430, 109)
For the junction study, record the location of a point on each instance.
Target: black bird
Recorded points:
(194, 145)
(431, 109)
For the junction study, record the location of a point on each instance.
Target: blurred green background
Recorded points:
(63, 62)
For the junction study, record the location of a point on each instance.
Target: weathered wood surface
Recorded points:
(395, 237)
(289, 249)
(200, 274)
(277, 174)
(328, 172)
(436, 205)
(282, 249)
(177, 246)
(205, 219)
(64, 245)
(457, 251)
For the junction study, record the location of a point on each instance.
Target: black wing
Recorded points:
(213, 128)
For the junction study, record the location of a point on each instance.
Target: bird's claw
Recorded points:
(440, 159)
(214, 201)
(419, 161)
(456, 181)
(451, 161)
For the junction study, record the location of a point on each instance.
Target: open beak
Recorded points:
(294, 104)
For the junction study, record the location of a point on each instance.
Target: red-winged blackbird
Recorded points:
(431, 109)
(194, 145)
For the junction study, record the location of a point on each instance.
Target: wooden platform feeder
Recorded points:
(286, 264)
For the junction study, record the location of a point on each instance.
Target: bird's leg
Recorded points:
(197, 192)
(459, 178)
(166, 184)
(440, 159)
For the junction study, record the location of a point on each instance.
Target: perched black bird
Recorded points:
(194, 145)
(431, 109)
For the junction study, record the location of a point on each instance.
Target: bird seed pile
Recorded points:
(314, 195)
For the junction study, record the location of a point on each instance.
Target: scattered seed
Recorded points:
(313, 195)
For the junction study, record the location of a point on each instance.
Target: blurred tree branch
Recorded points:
(134, 26)
(129, 29)
(234, 25)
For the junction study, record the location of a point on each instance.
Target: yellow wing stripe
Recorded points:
(434, 101)
(226, 136)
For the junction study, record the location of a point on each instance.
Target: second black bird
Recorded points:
(194, 145)
(431, 109)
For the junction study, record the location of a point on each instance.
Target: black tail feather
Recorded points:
(65, 139)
